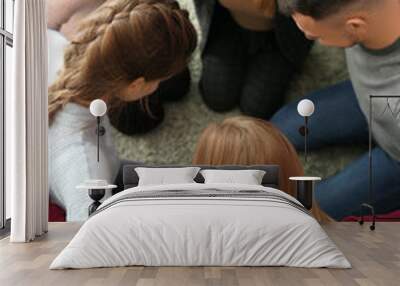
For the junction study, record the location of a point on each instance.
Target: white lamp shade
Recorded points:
(306, 108)
(98, 107)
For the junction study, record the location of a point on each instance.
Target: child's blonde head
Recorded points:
(245, 140)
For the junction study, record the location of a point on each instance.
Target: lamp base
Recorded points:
(96, 195)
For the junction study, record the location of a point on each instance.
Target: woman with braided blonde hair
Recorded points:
(243, 140)
(120, 54)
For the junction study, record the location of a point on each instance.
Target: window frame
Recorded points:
(6, 39)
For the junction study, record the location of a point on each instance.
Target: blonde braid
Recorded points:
(93, 70)
(68, 83)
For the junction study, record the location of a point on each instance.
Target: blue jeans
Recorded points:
(338, 120)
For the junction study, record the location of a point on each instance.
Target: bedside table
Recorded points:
(96, 193)
(305, 189)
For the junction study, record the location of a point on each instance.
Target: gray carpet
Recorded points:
(174, 141)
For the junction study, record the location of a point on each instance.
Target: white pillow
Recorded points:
(247, 177)
(166, 176)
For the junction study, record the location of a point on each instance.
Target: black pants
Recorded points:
(243, 68)
(133, 118)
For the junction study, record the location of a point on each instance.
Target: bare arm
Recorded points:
(60, 11)
(64, 15)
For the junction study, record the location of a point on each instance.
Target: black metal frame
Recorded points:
(100, 131)
(370, 204)
(304, 131)
(6, 39)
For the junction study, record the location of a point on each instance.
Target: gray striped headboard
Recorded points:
(271, 177)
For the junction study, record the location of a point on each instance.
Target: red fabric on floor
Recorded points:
(56, 213)
(394, 216)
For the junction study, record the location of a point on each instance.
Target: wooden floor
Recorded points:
(375, 257)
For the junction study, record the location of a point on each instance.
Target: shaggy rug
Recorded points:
(175, 140)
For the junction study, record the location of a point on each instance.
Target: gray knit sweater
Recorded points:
(377, 72)
(73, 149)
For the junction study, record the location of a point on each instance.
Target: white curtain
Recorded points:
(27, 123)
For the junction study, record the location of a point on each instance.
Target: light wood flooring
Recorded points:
(375, 257)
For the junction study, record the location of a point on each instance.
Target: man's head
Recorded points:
(344, 23)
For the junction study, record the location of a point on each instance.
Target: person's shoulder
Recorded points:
(389, 51)
(76, 111)
(72, 116)
(354, 52)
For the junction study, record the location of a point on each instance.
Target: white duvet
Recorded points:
(200, 232)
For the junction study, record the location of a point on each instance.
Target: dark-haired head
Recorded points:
(344, 23)
(318, 9)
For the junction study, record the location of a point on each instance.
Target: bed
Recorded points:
(201, 224)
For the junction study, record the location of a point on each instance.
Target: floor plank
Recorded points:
(375, 257)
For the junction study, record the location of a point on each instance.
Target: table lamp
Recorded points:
(305, 185)
(97, 187)
(305, 108)
(98, 108)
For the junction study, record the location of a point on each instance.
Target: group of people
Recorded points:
(133, 54)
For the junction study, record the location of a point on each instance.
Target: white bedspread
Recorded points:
(191, 231)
